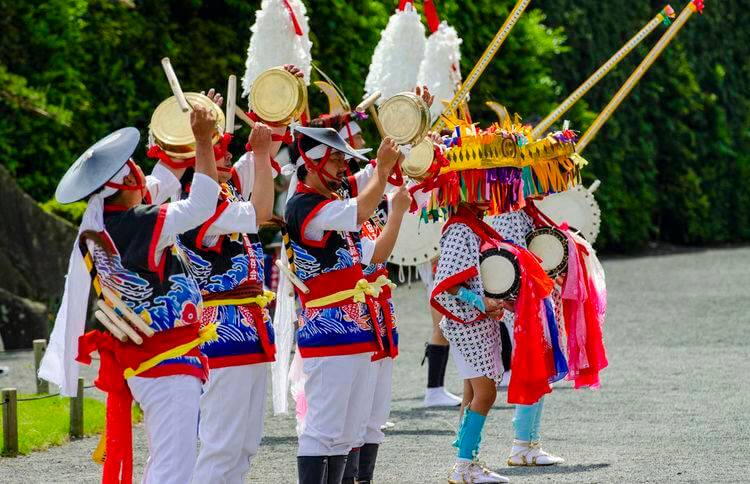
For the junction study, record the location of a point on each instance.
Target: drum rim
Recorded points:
(420, 105)
(184, 151)
(559, 235)
(515, 287)
(301, 96)
(412, 174)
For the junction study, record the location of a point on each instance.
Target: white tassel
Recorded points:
(274, 42)
(395, 62)
(440, 68)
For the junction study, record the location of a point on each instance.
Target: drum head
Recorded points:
(277, 96)
(577, 207)
(551, 246)
(170, 126)
(418, 161)
(418, 242)
(500, 272)
(405, 118)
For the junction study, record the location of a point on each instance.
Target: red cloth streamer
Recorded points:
(295, 23)
(430, 12)
(115, 357)
(699, 6)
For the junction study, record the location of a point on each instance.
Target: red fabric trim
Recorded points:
(385, 299)
(315, 243)
(115, 357)
(240, 360)
(207, 224)
(339, 350)
(449, 283)
(293, 18)
(113, 208)
(430, 13)
(152, 265)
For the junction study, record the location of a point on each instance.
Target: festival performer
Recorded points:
(324, 234)
(526, 450)
(472, 274)
(227, 257)
(138, 267)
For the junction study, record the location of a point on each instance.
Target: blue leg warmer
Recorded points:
(523, 421)
(469, 435)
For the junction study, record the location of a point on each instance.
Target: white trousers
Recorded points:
(379, 385)
(231, 422)
(170, 413)
(338, 403)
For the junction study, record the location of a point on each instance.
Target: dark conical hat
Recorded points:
(329, 137)
(97, 165)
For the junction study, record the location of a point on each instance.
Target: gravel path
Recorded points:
(673, 406)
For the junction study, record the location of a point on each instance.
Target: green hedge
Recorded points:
(672, 160)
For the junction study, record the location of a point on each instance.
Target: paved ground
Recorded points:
(673, 408)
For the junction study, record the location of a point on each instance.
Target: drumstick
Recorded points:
(640, 71)
(111, 327)
(368, 102)
(376, 120)
(231, 104)
(122, 325)
(597, 76)
(175, 85)
(292, 277)
(594, 186)
(128, 313)
(244, 117)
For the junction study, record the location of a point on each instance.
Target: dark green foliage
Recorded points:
(673, 160)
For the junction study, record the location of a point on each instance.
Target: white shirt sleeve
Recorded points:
(368, 250)
(338, 215)
(238, 217)
(363, 176)
(245, 168)
(189, 213)
(162, 184)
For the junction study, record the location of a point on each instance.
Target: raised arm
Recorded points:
(262, 196)
(387, 239)
(369, 198)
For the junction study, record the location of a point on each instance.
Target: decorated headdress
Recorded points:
(280, 36)
(487, 166)
(398, 55)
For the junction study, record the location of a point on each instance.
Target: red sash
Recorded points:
(115, 357)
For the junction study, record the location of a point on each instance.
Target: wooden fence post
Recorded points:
(76, 412)
(40, 346)
(10, 422)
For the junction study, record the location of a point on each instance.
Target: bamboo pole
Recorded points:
(640, 71)
(76, 412)
(605, 69)
(482, 63)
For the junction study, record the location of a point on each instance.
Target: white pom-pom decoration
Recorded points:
(274, 41)
(395, 62)
(440, 68)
